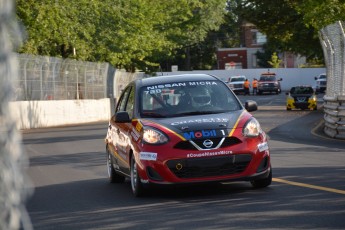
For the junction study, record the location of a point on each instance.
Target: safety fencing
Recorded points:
(50, 78)
(52, 91)
(333, 43)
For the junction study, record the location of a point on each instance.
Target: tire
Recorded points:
(288, 108)
(136, 185)
(112, 175)
(262, 183)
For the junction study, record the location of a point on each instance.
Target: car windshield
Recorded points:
(322, 77)
(234, 79)
(267, 78)
(301, 90)
(186, 98)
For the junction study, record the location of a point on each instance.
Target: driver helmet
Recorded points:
(200, 97)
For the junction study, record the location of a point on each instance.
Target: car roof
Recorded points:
(175, 78)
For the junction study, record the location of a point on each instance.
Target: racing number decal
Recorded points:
(223, 132)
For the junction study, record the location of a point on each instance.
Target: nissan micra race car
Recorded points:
(185, 129)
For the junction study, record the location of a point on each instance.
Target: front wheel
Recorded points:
(262, 183)
(137, 187)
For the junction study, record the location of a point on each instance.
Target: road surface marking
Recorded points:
(309, 186)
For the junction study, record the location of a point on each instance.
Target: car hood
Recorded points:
(202, 123)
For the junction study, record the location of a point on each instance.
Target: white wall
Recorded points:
(291, 76)
(39, 114)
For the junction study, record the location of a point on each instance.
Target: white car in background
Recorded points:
(236, 83)
(321, 83)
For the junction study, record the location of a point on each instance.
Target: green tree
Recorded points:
(320, 13)
(283, 25)
(61, 28)
(130, 34)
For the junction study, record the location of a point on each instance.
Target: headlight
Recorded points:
(153, 136)
(252, 128)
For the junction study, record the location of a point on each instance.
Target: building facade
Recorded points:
(244, 57)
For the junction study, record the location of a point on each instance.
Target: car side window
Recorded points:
(121, 106)
(130, 103)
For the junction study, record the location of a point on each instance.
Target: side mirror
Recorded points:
(122, 117)
(280, 79)
(315, 78)
(251, 106)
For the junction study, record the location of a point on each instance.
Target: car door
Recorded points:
(121, 131)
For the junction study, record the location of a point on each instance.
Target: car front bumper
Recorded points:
(311, 104)
(243, 161)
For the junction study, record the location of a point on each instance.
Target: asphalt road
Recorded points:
(71, 190)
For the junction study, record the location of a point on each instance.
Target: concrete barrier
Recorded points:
(40, 114)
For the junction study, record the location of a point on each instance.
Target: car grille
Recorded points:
(210, 166)
(237, 86)
(187, 145)
(267, 85)
(301, 99)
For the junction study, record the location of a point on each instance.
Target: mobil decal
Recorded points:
(200, 134)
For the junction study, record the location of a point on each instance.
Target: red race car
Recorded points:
(184, 129)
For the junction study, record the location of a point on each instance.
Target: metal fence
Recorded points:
(333, 43)
(51, 78)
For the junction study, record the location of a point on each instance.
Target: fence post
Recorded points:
(333, 43)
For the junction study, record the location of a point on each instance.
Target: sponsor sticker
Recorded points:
(263, 146)
(154, 89)
(209, 154)
(148, 156)
(204, 120)
(135, 134)
(205, 134)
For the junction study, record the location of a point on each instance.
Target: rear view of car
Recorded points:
(321, 83)
(185, 129)
(301, 97)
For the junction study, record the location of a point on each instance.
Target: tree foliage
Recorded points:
(320, 13)
(148, 34)
(283, 25)
(129, 34)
